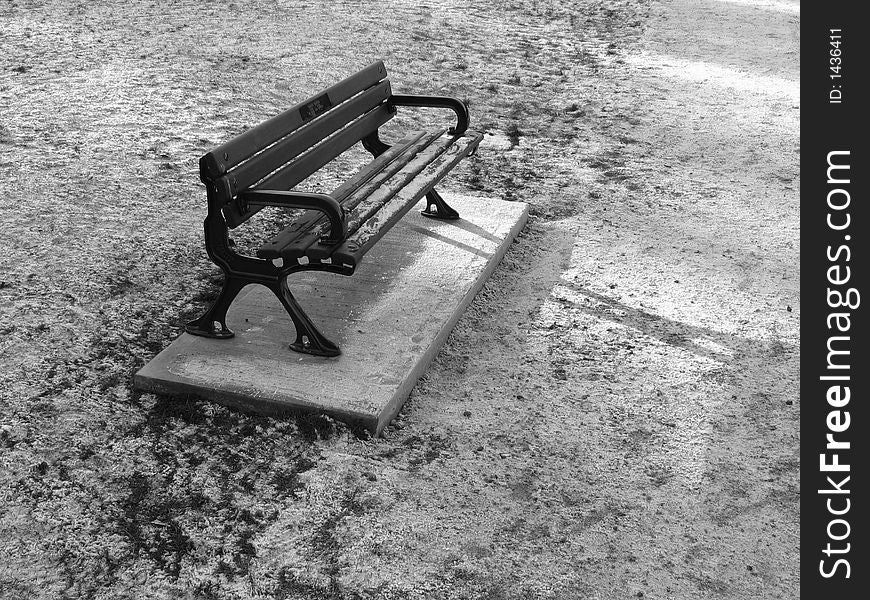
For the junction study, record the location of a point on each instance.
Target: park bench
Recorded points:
(260, 168)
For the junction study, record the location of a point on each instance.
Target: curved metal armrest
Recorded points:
(457, 106)
(328, 205)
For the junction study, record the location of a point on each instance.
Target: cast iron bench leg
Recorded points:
(309, 340)
(444, 211)
(213, 323)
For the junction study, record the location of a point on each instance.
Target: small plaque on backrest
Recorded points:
(315, 108)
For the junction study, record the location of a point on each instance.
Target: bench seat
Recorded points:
(374, 199)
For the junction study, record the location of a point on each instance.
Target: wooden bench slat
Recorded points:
(318, 156)
(357, 244)
(220, 160)
(392, 177)
(300, 168)
(271, 248)
(425, 164)
(288, 148)
(375, 167)
(375, 197)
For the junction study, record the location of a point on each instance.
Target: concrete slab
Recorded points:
(389, 319)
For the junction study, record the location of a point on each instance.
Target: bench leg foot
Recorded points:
(444, 211)
(213, 323)
(309, 340)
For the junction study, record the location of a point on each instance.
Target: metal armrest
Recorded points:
(458, 106)
(328, 205)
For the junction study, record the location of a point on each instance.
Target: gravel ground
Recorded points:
(615, 416)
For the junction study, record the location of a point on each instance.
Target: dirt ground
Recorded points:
(616, 415)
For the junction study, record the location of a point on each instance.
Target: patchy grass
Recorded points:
(549, 437)
(514, 134)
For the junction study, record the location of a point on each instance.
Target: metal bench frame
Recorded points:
(260, 167)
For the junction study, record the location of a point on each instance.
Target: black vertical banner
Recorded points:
(835, 301)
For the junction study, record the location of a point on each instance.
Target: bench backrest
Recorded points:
(284, 150)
